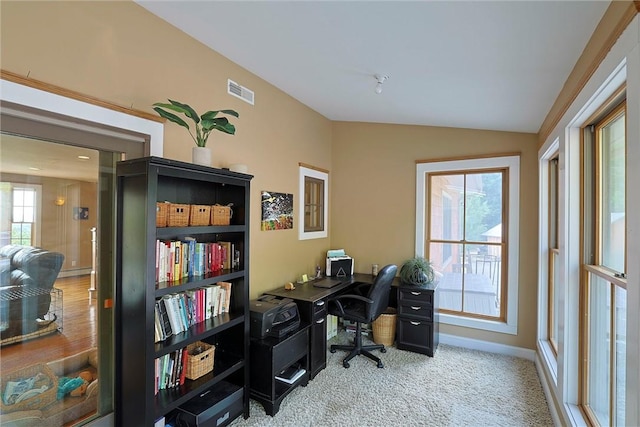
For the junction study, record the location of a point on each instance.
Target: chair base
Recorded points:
(357, 348)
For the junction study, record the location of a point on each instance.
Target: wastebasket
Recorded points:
(384, 327)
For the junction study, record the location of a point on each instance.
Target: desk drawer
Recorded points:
(416, 309)
(319, 309)
(416, 336)
(290, 349)
(415, 294)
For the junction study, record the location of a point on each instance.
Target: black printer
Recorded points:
(273, 316)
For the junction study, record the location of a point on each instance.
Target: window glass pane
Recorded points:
(28, 214)
(446, 206)
(613, 194)
(450, 287)
(483, 210)
(29, 197)
(18, 197)
(18, 214)
(620, 354)
(599, 362)
(555, 297)
(313, 199)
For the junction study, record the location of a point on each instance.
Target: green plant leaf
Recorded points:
(187, 110)
(219, 123)
(172, 117)
(210, 115)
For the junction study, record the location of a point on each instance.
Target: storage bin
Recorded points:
(384, 327)
(220, 215)
(201, 362)
(162, 210)
(178, 215)
(46, 379)
(200, 215)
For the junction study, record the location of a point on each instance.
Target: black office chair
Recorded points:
(363, 305)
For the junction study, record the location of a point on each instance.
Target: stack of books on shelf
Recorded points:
(170, 370)
(177, 312)
(176, 259)
(291, 374)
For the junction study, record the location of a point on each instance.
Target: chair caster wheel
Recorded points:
(380, 365)
(383, 350)
(346, 364)
(332, 350)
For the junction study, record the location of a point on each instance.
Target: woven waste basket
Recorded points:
(384, 327)
(199, 359)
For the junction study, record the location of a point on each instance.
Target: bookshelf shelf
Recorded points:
(140, 396)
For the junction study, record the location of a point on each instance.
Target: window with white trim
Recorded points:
(314, 202)
(467, 215)
(604, 283)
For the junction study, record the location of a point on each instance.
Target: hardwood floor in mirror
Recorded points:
(78, 330)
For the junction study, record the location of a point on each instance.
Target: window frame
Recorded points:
(510, 162)
(308, 171)
(592, 267)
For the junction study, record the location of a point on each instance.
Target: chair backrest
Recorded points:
(379, 291)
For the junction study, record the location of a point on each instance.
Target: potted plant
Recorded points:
(417, 271)
(203, 125)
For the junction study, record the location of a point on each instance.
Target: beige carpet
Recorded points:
(457, 387)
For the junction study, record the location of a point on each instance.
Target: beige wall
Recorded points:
(59, 231)
(373, 200)
(616, 18)
(118, 52)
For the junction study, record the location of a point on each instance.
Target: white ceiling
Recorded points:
(478, 64)
(18, 155)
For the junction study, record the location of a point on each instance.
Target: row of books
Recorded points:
(176, 259)
(175, 313)
(170, 370)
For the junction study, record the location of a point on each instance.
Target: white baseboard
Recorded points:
(490, 347)
(546, 388)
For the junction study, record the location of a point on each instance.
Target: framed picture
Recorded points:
(80, 213)
(277, 211)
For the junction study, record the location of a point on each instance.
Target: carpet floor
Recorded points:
(457, 387)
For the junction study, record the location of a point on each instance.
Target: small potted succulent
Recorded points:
(203, 125)
(417, 271)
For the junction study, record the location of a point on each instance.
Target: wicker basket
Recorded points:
(38, 401)
(220, 215)
(200, 215)
(384, 327)
(162, 209)
(178, 215)
(201, 363)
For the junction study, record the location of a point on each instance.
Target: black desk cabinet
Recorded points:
(416, 326)
(269, 357)
(312, 305)
(141, 184)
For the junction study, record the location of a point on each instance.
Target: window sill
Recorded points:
(485, 325)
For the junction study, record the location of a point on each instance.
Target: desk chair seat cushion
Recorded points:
(363, 305)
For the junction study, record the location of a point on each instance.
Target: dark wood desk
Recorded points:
(416, 328)
(312, 305)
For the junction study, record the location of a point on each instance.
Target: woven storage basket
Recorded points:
(220, 215)
(38, 401)
(200, 215)
(178, 215)
(384, 327)
(201, 363)
(162, 209)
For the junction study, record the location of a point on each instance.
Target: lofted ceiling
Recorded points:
(471, 64)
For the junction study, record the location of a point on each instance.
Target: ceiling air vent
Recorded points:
(241, 92)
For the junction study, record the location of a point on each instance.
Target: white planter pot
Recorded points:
(201, 156)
